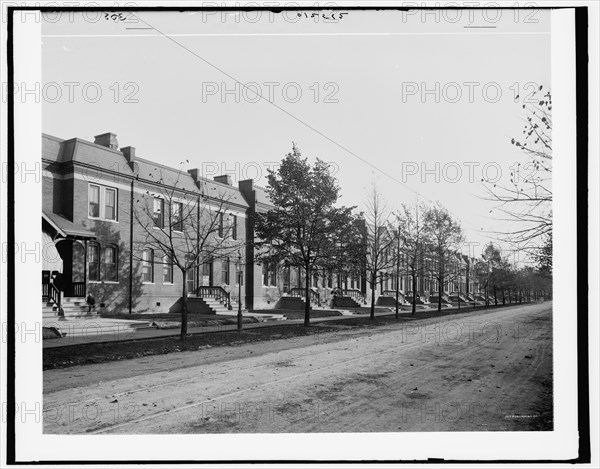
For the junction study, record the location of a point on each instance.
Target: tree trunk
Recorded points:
(184, 312)
(503, 297)
(307, 296)
(440, 290)
(414, 305)
(495, 297)
(373, 286)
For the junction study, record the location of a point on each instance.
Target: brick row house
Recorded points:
(96, 238)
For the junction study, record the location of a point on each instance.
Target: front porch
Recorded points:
(64, 267)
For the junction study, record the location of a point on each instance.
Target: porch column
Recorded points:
(85, 253)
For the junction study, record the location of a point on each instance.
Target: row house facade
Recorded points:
(95, 240)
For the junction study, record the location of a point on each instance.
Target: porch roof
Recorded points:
(66, 227)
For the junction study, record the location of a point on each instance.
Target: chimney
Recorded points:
(129, 154)
(223, 179)
(108, 140)
(194, 173)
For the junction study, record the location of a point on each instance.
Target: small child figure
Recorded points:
(91, 302)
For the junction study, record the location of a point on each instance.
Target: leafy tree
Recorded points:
(304, 228)
(544, 256)
(491, 259)
(445, 235)
(413, 234)
(183, 228)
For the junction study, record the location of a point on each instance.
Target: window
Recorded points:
(94, 201)
(148, 266)
(110, 263)
(234, 226)
(273, 275)
(330, 280)
(176, 216)
(269, 275)
(206, 268)
(110, 203)
(102, 202)
(93, 262)
(159, 212)
(220, 221)
(240, 275)
(225, 271)
(167, 269)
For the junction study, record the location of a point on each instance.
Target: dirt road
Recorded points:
(469, 372)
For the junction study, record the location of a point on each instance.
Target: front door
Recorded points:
(207, 274)
(192, 284)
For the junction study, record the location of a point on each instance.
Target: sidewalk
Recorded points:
(144, 334)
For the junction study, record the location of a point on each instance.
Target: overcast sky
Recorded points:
(363, 102)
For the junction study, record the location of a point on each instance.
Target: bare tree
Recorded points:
(186, 228)
(526, 201)
(413, 236)
(445, 235)
(380, 241)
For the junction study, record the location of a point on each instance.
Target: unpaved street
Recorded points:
(485, 370)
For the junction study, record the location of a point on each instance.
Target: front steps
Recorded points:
(73, 307)
(206, 306)
(345, 302)
(291, 303)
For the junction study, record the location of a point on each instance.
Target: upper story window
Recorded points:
(225, 271)
(220, 216)
(234, 233)
(177, 216)
(102, 202)
(158, 212)
(94, 201)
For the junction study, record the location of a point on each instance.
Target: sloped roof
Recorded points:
(66, 227)
(153, 172)
(102, 157)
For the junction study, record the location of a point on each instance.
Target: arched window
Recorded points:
(93, 261)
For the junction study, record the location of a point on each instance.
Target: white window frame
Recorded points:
(102, 202)
(150, 262)
(180, 222)
(162, 213)
(115, 250)
(168, 261)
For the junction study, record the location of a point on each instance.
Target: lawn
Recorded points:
(299, 314)
(173, 320)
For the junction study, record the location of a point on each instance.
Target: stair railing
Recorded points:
(218, 293)
(356, 294)
(300, 293)
(56, 296)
